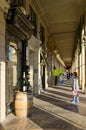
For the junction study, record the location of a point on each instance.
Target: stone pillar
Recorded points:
(34, 60)
(46, 78)
(26, 6)
(74, 66)
(80, 67)
(37, 77)
(77, 61)
(83, 66)
(2, 90)
(3, 10)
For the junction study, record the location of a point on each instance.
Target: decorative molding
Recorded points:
(40, 13)
(18, 24)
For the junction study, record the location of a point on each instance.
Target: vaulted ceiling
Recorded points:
(62, 19)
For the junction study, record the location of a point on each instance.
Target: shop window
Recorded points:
(42, 38)
(12, 56)
(33, 20)
(12, 64)
(42, 34)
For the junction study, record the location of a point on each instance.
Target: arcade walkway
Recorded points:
(52, 110)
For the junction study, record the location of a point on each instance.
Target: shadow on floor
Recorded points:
(60, 93)
(47, 121)
(41, 120)
(58, 102)
(66, 89)
(44, 119)
(58, 99)
(83, 99)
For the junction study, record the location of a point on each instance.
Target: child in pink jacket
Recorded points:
(75, 88)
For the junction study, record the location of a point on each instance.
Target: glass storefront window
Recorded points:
(12, 56)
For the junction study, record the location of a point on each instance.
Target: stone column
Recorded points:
(74, 66)
(37, 77)
(26, 6)
(2, 90)
(83, 66)
(80, 68)
(34, 61)
(77, 61)
(3, 10)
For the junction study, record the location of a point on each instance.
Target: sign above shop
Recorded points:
(18, 23)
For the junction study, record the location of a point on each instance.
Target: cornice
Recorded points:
(40, 13)
(4, 6)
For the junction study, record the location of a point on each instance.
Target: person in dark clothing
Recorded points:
(68, 75)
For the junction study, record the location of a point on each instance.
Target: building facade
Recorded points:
(25, 41)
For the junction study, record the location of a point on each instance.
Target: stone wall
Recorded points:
(3, 10)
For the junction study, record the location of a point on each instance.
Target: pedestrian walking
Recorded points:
(75, 88)
(61, 80)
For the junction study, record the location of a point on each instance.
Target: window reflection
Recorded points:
(12, 54)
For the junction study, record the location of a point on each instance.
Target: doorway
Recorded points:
(11, 76)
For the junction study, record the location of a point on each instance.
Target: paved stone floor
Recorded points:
(52, 110)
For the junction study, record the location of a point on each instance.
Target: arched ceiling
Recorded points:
(62, 19)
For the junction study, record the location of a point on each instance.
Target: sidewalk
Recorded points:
(52, 110)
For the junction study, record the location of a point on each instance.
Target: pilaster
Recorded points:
(3, 9)
(83, 66)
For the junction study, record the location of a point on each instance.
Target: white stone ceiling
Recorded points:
(62, 19)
